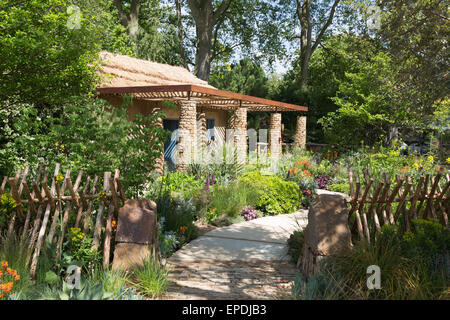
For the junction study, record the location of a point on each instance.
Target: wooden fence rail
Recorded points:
(41, 205)
(377, 203)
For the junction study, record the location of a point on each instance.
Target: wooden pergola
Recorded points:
(203, 96)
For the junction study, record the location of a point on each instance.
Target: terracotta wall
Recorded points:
(145, 108)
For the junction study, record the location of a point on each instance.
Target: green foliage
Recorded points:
(167, 240)
(151, 279)
(86, 292)
(79, 250)
(229, 200)
(416, 33)
(7, 205)
(89, 136)
(15, 253)
(295, 245)
(430, 241)
(379, 160)
(245, 77)
(336, 55)
(340, 187)
(158, 34)
(407, 269)
(273, 194)
(180, 183)
(43, 60)
(365, 111)
(178, 215)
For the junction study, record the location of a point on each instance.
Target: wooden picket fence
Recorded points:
(36, 206)
(375, 203)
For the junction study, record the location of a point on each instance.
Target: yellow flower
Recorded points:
(430, 159)
(416, 166)
(448, 160)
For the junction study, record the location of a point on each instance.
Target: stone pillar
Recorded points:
(159, 162)
(275, 136)
(300, 133)
(137, 234)
(238, 122)
(186, 134)
(327, 232)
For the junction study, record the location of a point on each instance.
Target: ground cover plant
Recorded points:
(413, 266)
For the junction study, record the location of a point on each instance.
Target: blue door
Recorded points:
(210, 125)
(170, 145)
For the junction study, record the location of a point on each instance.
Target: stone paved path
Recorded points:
(243, 261)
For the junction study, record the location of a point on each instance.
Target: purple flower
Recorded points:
(322, 181)
(207, 182)
(249, 213)
(213, 179)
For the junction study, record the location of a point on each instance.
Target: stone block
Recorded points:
(130, 255)
(327, 231)
(137, 222)
(137, 232)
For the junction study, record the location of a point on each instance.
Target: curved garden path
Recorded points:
(247, 260)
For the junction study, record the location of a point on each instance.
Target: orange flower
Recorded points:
(17, 278)
(306, 173)
(4, 263)
(183, 229)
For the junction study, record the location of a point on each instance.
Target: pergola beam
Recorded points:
(203, 95)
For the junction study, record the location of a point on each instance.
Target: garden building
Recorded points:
(199, 113)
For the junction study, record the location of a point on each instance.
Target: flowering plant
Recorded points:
(7, 278)
(249, 213)
(322, 181)
(211, 215)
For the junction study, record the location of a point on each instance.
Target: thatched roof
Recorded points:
(124, 71)
(159, 82)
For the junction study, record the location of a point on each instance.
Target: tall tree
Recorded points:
(180, 32)
(307, 44)
(206, 18)
(129, 16)
(417, 33)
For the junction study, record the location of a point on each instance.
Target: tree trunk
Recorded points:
(131, 21)
(180, 33)
(203, 55)
(307, 45)
(205, 19)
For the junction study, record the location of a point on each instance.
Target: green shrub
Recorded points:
(230, 199)
(151, 279)
(295, 245)
(340, 187)
(406, 270)
(273, 194)
(180, 183)
(429, 242)
(179, 215)
(90, 135)
(7, 205)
